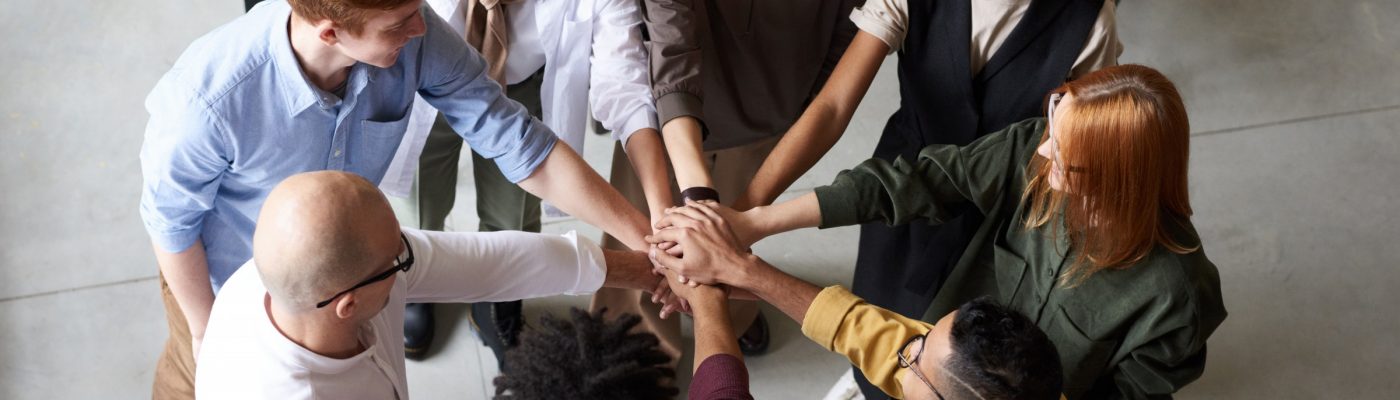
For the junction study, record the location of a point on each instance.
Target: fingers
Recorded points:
(711, 209)
(666, 260)
(690, 212)
(673, 235)
(707, 208)
(673, 305)
(675, 220)
(663, 289)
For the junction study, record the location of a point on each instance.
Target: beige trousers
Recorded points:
(175, 367)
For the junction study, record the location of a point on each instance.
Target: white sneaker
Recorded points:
(845, 388)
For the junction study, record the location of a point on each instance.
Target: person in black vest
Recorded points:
(966, 68)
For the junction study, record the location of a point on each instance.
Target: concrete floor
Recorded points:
(1295, 180)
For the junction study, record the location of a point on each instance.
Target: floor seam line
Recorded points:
(1296, 120)
(77, 289)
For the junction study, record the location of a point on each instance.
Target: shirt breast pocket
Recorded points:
(385, 129)
(1082, 356)
(373, 149)
(1011, 271)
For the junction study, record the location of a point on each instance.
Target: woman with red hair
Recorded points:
(1088, 229)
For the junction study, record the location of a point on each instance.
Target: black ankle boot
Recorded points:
(499, 326)
(755, 340)
(418, 329)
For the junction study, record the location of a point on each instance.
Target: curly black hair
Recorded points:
(1000, 354)
(587, 357)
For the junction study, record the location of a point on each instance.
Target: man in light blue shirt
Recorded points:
(318, 85)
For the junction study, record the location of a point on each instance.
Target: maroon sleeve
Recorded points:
(720, 377)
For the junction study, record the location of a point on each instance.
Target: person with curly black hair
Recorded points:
(587, 357)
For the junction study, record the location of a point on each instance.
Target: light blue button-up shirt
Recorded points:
(235, 115)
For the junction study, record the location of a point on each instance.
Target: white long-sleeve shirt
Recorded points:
(593, 57)
(244, 356)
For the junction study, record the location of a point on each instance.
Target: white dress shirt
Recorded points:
(992, 23)
(592, 56)
(244, 356)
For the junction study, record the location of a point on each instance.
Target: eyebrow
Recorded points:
(404, 21)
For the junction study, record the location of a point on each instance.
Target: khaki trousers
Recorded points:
(501, 205)
(175, 367)
(731, 170)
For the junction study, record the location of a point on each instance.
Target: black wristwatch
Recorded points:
(699, 193)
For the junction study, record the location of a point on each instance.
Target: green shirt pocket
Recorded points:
(1082, 357)
(1010, 272)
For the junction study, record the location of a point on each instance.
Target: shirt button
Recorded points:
(337, 153)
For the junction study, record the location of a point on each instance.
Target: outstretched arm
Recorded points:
(566, 181)
(821, 125)
(621, 97)
(675, 83)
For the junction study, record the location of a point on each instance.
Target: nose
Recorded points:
(1044, 150)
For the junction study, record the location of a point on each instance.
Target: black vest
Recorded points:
(942, 103)
(901, 267)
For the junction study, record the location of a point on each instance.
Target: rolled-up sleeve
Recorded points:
(453, 80)
(182, 160)
(869, 336)
(930, 186)
(674, 46)
(1103, 47)
(620, 88)
(887, 20)
(464, 267)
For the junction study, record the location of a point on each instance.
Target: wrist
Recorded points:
(700, 193)
(707, 295)
(743, 275)
(761, 221)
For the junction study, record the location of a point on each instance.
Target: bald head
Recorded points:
(321, 232)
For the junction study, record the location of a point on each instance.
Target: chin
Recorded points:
(386, 63)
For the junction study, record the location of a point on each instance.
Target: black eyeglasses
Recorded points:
(403, 265)
(1054, 142)
(912, 361)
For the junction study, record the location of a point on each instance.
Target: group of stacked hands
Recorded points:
(266, 162)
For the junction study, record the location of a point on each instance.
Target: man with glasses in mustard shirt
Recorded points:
(980, 351)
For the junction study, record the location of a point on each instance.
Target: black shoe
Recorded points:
(755, 340)
(417, 330)
(499, 326)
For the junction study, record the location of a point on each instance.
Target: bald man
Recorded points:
(320, 313)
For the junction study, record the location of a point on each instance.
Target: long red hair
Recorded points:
(1126, 142)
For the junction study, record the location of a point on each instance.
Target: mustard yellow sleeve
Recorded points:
(867, 335)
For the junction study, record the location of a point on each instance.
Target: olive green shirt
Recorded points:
(1135, 332)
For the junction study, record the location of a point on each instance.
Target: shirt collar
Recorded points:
(297, 90)
(293, 354)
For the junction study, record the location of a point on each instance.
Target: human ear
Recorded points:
(327, 32)
(346, 306)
